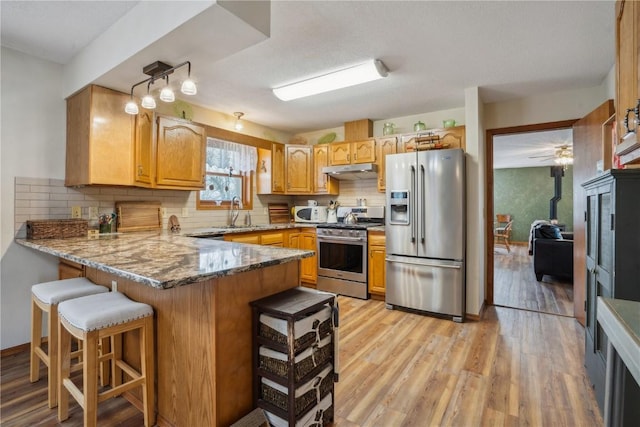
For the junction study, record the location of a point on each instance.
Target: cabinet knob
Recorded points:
(140, 170)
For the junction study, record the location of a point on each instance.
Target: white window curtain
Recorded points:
(223, 156)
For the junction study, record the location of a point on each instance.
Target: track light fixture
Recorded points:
(238, 125)
(160, 71)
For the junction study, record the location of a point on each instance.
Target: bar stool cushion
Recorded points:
(61, 290)
(100, 311)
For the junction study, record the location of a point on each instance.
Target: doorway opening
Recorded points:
(524, 186)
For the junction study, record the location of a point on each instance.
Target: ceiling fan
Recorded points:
(563, 155)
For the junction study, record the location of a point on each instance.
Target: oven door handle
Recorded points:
(341, 239)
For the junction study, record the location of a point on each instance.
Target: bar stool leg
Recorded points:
(36, 340)
(64, 353)
(148, 368)
(90, 378)
(52, 326)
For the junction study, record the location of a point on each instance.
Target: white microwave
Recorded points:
(316, 214)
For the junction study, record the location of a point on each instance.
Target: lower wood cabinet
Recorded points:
(296, 238)
(377, 269)
(268, 238)
(309, 266)
(69, 269)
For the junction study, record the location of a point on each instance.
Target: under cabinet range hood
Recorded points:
(352, 172)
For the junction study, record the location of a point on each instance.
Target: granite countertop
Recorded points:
(219, 231)
(620, 320)
(163, 260)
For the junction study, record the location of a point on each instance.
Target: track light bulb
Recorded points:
(148, 102)
(189, 87)
(131, 107)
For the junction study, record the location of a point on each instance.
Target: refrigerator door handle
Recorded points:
(414, 206)
(422, 197)
(422, 263)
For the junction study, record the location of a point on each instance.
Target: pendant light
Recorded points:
(188, 86)
(166, 94)
(238, 125)
(147, 101)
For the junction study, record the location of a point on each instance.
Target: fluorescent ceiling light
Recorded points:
(371, 70)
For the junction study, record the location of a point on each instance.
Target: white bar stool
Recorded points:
(91, 319)
(45, 298)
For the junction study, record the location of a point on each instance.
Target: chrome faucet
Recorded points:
(235, 212)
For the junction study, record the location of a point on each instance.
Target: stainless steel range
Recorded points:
(342, 251)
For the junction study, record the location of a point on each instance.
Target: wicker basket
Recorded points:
(307, 331)
(307, 395)
(56, 228)
(305, 362)
(321, 414)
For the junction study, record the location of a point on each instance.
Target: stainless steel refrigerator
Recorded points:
(425, 231)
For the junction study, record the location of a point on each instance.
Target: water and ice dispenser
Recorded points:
(399, 207)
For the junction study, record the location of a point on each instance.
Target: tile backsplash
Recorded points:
(42, 198)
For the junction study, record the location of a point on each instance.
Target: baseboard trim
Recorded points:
(479, 316)
(14, 350)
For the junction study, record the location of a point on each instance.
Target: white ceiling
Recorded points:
(433, 49)
(517, 150)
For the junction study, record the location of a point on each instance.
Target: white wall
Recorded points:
(32, 144)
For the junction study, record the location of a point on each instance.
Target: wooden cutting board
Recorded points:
(138, 216)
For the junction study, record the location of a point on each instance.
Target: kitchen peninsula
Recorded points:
(200, 290)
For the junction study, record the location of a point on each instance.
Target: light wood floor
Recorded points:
(402, 369)
(515, 284)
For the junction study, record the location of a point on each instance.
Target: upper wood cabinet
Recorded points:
(299, 166)
(627, 69)
(384, 146)
(322, 182)
(180, 154)
(144, 164)
(99, 138)
(270, 177)
(345, 153)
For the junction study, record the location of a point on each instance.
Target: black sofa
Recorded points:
(552, 252)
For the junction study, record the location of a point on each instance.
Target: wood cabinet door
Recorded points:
(293, 239)
(454, 136)
(144, 161)
(323, 183)
(99, 138)
(384, 146)
(278, 169)
(180, 154)
(363, 151)
(340, 153)
(377, 268)
(309, 266)
(298, 166)
(627, 66)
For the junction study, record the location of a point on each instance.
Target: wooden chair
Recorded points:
(502, 230)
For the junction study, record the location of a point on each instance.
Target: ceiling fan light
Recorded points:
(189, 87)
(131, 107)
(148, 102)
